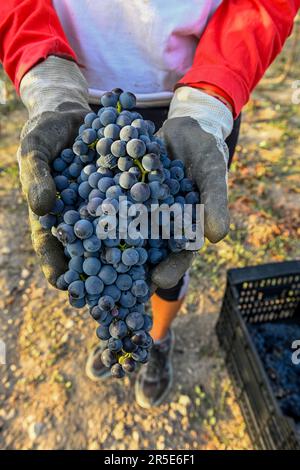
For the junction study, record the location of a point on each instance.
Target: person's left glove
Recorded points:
(195, 133)
(55, 94)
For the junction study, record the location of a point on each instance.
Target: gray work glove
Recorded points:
(195, 133)
(55, 94)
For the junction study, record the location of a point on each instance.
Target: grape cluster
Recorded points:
(273, 341)
(115, 154)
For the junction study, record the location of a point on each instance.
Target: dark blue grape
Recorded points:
(155, 255)
(114, 192)
(130, 256)
(117, 371)
(76, 263)
(61, 182)
(103, 332)
(128, 365)
(106, 303)
(105, 183)
(71, 217)
(192, 198)
(128, 132)
(67, 155)
(80, 148)
(118, 329)
(134, 321)
(65, 234)
(69, 196)
(61, 284)
(124, 282)
(59, 164)
(115, 344)
(91, 266)
(127, 100)
(186, 185)
(76, 248)
(75, 169)
(113, 255)
(140, 192)
(128, 345)
(71, 276)
(112, 131)
(140, 355)
(118, 148)
(89, 136)
(174, 186)
(47, 221)
(108, 274)
(156, 175)
(83, 229)
(108, 117)
(127, 300)
(139, 338)
(136, 148)
(127, 180)
(89, 118)
(148, 323)
(103, 146)
(77, 303)
(76, 289)
(125, 163)
(139, 288)
(109, 99)
(96, 125)
(140, 125)
(177, 173)
(84, 190)
(93, 206)
(123, 120)
(113, 292)
(92, 244)
(94, 285)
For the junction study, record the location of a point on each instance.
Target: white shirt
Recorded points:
(142, 46)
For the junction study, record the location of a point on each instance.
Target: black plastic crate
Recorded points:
(265, 293)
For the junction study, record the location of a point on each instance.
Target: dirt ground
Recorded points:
(47, 402)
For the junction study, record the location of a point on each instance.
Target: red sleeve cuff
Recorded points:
(34, 54)
(30, 31)
(227, 82)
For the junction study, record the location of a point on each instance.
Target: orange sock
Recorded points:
(163, 311)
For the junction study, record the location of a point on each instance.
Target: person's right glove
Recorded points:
(195, 133)
(55, 94)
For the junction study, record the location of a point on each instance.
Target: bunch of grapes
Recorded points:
(116, 159)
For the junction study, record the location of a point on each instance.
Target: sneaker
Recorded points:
(95, 369)
(155, 378)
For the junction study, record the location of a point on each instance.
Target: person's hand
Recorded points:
(55, 95)
(195, 133)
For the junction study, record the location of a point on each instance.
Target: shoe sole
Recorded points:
(139, 399)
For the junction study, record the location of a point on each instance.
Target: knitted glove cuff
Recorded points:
(51, 83)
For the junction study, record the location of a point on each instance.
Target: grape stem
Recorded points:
(93, 144)
(140, 166)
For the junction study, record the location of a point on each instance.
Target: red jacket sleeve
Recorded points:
(30, 31)
(241, 40)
